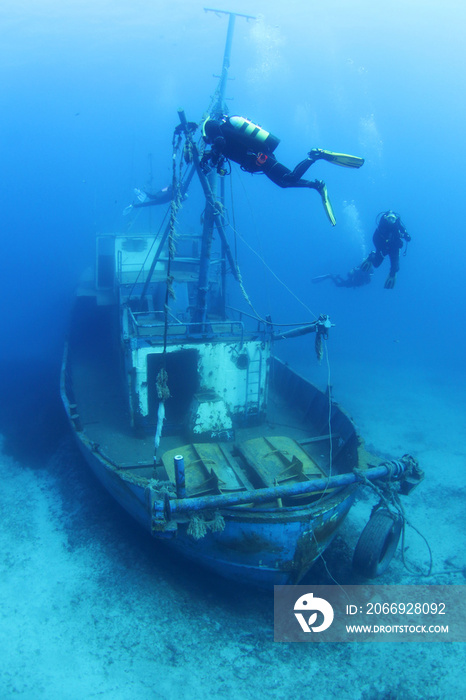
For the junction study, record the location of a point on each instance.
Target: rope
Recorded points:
(392, 501)
(174, 207)
(198, 527)
(321, 556)
(161, 488)
(246, 297)
(163, 392)
(148, 253)
(329, 392)
(300, 301)
(255, 228)
(238, 235)
(329, 422)
(234, 222)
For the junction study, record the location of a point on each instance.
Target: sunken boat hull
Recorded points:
(172, 387)
(273, 440)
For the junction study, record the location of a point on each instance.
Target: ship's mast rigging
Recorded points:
(214, 211)
(214, 206)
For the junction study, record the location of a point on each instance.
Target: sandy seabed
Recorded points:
(90, 607)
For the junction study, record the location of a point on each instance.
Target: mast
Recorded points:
(218, 109)
(214, 205)
(213, 212)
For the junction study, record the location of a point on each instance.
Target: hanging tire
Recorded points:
(377, 544)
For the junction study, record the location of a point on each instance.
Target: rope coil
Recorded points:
(198, 526)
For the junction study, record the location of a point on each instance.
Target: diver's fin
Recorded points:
(343, 159)
(326, 203)
(140, 195)
(366, 265)
(390, 281)
(321, 278)
(127, 210)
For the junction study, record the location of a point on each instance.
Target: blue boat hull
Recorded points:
(257, 547)
(262, 545)
(267, 549)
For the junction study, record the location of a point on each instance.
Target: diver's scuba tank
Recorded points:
(254, 136)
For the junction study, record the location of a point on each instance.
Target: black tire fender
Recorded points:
(377, 544)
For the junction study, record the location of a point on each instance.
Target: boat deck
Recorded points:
(296, 422)
(100, 402)
(104, 417)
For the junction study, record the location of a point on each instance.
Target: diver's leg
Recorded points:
(376, 258)
(394, 262)
(300, 169)
(281, 176)
(317, 154)
(394, 267)
(284, 177)
(338, 281)
(277, 172)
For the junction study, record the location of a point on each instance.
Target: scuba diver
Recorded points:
(354, 278)
(146, 199)
(238, 139)
(388, 240)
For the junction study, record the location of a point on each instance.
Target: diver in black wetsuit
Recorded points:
(146, 199)
(236, 138)
(388, 240)
(355, 278)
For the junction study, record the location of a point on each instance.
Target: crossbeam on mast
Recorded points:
(226, 12)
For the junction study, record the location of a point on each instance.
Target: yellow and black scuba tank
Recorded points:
(254, 136)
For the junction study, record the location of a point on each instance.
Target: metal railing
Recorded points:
(152, 324)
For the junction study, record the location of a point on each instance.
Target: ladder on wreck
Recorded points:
(252, 404)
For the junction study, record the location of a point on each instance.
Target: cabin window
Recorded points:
(134, 245)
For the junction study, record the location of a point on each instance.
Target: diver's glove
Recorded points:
(390, 281)
(366, 265)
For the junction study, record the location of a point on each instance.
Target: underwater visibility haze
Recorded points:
(89, 100)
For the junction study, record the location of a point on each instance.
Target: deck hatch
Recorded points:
(209, 469)
(279, 460)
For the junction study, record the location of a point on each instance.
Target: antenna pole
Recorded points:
(219, 105)
(226, 64)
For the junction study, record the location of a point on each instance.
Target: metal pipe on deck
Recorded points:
(180, 479)
(172, 507)
(296, 332)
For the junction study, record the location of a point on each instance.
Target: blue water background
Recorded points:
(91, 89)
